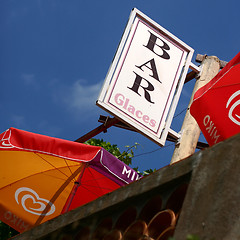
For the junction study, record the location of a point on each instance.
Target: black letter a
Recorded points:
(137, 84)
(153, 68)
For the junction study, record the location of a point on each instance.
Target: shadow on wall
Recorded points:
(155, 221)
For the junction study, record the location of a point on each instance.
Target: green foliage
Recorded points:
(189, 237)
(146, 172)
(192, 237)
(6, 231)
(125, 156)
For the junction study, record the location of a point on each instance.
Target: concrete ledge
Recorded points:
(211, 206)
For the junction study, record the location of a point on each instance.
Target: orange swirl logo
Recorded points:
(39, 204)
(233, 116)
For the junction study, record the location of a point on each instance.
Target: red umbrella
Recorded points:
(216, 106)
(42, 177)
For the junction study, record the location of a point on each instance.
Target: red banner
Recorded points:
(216, 106)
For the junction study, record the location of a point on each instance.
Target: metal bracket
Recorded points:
(194, 67)
(105, 124)
(195, 73)
(109, 122)
(179, 139)
(174, 134)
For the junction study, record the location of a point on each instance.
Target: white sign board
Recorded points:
(144, 82)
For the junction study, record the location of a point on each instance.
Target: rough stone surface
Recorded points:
(211, 206)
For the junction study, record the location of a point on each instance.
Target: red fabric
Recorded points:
(92, 185)
(20, 139)
(216, 106)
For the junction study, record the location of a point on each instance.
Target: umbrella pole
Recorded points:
(190, 130)
(74, 190)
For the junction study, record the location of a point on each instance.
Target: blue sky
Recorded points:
(55, 55)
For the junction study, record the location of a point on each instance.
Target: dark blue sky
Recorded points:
(55, 55)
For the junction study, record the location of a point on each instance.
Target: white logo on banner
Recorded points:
(4, 142)
(234, 117)
(40, 203)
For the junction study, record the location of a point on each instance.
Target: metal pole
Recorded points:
(190, 131)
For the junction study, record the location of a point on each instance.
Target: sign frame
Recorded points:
(158, 136)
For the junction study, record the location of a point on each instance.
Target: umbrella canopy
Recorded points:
(216, 106)
(42, 177)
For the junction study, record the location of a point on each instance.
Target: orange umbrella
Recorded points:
(42, 177)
